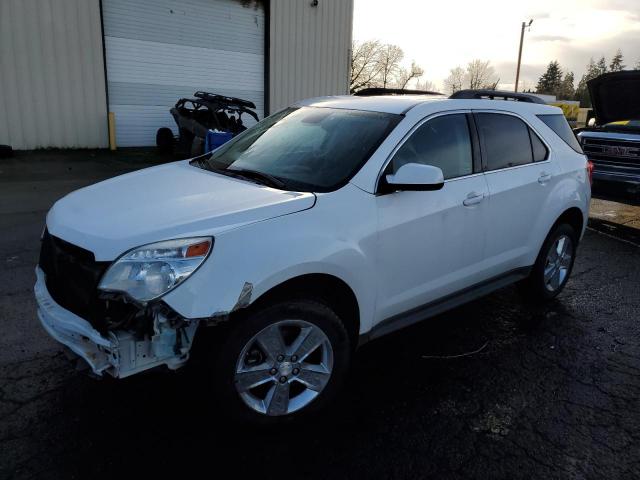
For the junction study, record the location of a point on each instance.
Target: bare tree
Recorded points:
(365, 65)
(390, 58)
(426, 85)
(480, 74)
(374, 64)
(455, 81)
(406, 75)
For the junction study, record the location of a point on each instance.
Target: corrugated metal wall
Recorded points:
(309, 50)
(52, 90)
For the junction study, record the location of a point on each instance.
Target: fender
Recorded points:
(336, 239)
(571, 190)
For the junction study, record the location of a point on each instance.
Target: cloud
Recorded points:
(529, 75)
(540, 15)
(627, 5)
(550, 38)
(573, 57)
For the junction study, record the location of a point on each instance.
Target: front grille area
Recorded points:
(72, 276)
(612, 152)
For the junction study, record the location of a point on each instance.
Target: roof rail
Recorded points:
(375, 92)
(500, 94)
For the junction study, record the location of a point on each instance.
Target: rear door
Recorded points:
(519, 175)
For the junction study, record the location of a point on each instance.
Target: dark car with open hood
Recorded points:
(612, 142)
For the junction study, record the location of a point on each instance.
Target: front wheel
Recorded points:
(553, 265)
(287, 359)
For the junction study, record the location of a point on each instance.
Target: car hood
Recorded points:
(615, 96)
(175, 200)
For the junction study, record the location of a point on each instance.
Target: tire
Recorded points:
(540, 288)
(6, 151)
(242, 350)
(165, 140)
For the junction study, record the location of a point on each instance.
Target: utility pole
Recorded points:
(524, 25)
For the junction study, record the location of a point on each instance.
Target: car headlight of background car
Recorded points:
(147, 272)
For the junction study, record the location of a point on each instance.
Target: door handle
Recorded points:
(544, 178)
(473, 198)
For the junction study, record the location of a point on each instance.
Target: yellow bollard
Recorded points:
(112, 131)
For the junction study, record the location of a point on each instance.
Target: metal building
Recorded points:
(64, 64)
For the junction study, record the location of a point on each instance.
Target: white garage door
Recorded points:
(160, 50)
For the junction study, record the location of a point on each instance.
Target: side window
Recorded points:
(505, 140)
(558, 123)
(540, 151)
(443, 142)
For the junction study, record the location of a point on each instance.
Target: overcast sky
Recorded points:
(440, 35)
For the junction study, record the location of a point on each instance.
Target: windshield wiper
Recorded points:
(261, 177)
(254, 175)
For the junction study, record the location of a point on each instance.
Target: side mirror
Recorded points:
(415, 177)
(591, 122)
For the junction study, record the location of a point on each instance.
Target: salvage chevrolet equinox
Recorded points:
(324, 226)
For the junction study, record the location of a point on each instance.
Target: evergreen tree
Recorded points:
(593, 70)
(550, 80)
(616, 64)
(602, 65)
(567, 90)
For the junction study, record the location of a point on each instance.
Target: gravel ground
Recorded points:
(551, 392)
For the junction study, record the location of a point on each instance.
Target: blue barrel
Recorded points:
(214, 139)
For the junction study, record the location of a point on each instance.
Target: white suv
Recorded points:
(322, 227)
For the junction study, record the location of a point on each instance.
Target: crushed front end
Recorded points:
(110, 332)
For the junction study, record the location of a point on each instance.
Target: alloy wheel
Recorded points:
(284, 367)
(558, 263)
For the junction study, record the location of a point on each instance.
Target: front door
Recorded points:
(431, 244)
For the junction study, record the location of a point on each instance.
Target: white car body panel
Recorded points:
(169, 201)
(336, 237)
(395, 252)
(429, 244)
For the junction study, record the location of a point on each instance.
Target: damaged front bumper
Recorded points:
(120, 353)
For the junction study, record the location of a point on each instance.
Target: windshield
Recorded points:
(304, 149)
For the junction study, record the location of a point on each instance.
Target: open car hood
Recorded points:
(615, 96)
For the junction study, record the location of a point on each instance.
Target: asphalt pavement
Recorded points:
(494, 389)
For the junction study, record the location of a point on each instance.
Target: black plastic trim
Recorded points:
(267, 56)
(492, 94)
(475, 143)
(385, 187)
(444, 304)
(104, 64)
(376, 92)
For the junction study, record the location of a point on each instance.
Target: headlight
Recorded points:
(150, 271)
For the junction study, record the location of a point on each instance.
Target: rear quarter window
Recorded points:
(540, 152)
(558, 123)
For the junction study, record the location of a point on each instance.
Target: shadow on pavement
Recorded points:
(616, 193)
(623, 232)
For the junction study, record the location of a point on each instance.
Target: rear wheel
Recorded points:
(553, 265)
(285, 360)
